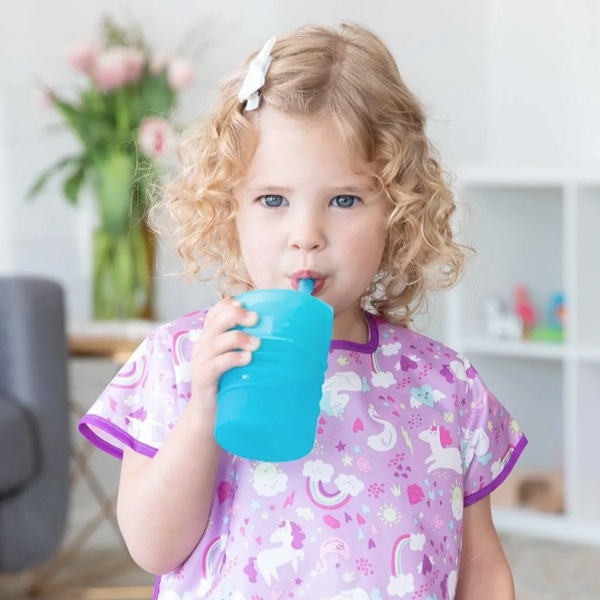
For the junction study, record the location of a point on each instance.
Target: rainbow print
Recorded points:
(324, 499)
(179, 340)
(374, 364)
(208, 559)
(135, 376)
(399, 545)
(505, 458)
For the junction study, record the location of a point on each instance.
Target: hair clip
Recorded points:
(255, 78)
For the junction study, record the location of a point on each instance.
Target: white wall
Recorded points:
(543, 81)
(494, 74)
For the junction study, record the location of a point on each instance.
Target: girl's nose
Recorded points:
(307, 233)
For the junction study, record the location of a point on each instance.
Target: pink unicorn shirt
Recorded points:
(408, 436)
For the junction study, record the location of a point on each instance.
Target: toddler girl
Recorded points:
(314, 164)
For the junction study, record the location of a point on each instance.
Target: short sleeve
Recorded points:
(141, 404)
(491, 439)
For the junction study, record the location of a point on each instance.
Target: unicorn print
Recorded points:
(158, 381)
(333, 402)
(355, 594)
(230, 593)
(443, 454)
(385, 440)
(291, 538)
(475, 443)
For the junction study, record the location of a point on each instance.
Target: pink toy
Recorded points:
(525, 309)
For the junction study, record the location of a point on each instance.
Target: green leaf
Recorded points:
(156, 97)
(141, 259)
(42, 180)
(113, 180)
(147, 178)
(72, 184)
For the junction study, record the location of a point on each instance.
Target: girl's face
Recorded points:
(303, 211)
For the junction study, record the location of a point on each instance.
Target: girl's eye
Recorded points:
(345, 201)
(272, 201)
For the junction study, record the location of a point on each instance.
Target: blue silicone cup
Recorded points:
(268, 410)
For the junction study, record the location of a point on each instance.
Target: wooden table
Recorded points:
(113, 340)
(93, 341)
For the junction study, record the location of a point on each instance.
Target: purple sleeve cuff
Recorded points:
(89, 421)
(490, 487)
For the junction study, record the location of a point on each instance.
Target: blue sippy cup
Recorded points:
(268, 410)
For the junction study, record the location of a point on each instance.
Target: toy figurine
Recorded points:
(500, 321)
(556, 314)
(525, 310)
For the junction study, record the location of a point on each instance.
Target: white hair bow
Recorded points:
(255, 78)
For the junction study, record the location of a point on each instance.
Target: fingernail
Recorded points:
(246, 356)
(254, 343)
(251, 318)
(237, 303)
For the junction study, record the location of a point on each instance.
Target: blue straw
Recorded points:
(306, 285)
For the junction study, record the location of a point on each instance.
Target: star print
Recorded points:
(255, 505)
(341, 447)
(265, 515)
(337, 565)
(451, 525)
(313, 539)
(347, 460)
(298, 581)
(421, 515)
(225, 520)
(302, 593)
(356, 449)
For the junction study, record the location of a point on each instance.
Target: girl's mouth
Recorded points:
(318, 278)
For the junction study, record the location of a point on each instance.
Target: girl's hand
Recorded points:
(217, 351)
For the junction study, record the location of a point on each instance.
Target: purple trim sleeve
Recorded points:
(488, 489)
(89, 421)
(156, 588)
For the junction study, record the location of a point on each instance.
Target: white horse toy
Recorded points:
(500, 321)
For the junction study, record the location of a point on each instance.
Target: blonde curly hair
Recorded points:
(349, 74)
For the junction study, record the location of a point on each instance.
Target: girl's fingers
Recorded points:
(226, 342)
(226, 315)
(224, 362)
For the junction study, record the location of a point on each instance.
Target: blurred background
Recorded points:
(512, 89)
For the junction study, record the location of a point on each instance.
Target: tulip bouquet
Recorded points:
(121, 117)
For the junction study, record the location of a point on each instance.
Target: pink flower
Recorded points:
(155, 137)
(112, 69)
(82, 55)
(134, 60)
(159, 62)
(180, 73)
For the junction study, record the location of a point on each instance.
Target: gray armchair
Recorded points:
(34, 427)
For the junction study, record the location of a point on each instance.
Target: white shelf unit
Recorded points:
(540, 228)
